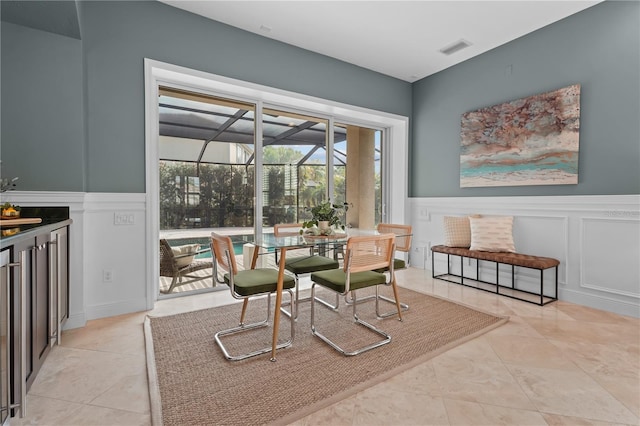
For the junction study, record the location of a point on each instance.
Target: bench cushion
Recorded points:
(517, 259)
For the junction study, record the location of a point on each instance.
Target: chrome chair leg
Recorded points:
(306, 299)
(386, 337)
(377, 297)
(245, 327)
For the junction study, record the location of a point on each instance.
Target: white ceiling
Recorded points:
(397, 38)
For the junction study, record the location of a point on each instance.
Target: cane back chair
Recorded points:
(364, 255)
(244, 285)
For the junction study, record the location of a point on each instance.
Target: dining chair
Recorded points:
(180, 262)
(244, 285)
(364, 255)
(403, 233)
(305, 264)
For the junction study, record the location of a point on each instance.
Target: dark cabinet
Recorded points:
(34, 288)
(5, 325)
(33, 255)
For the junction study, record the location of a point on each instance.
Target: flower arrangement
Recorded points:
(324, 218)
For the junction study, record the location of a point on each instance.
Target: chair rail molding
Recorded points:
(595, 237)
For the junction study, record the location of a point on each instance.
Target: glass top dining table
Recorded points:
(270, 241)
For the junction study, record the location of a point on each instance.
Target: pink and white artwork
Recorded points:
(529, 141)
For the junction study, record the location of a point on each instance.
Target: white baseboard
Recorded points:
(75, 321)
(116, 308)
(621, 307)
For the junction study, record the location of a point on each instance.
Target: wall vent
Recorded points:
(453, 48)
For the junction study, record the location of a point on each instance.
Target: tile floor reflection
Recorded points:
(561, 364)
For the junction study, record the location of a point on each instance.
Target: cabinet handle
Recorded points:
(39, 247)
(22, 330)
(6, 405)
(54, 308)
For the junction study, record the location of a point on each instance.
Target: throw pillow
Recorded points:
(457, 231)
(492, 234)
(190, 249)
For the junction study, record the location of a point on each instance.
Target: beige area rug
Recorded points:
(191, 383)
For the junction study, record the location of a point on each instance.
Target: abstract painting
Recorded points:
(529, 141)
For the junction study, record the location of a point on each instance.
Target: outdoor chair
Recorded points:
(244, 285)
(364, 255)
(306, 264)
(180, 262)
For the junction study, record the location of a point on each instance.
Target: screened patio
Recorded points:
(207, 167)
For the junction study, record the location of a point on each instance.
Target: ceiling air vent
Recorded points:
(453, 48)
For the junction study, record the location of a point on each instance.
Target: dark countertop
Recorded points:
(52, 218)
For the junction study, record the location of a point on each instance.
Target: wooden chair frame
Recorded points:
(224, 258)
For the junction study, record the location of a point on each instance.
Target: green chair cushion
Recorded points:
(308, 264)
(336, 279)
(256, 281)
(397, 264)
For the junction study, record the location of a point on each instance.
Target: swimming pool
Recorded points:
(238, 242)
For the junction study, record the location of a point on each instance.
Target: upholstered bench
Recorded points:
(505, 258)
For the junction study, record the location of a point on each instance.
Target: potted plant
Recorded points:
(325, 216)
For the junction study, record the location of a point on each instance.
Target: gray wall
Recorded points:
(42, 118)
(598, 48)
(50, 83)
(116, 37)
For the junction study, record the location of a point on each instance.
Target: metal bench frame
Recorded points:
(497, 284)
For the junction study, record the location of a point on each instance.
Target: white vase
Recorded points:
(323, 225)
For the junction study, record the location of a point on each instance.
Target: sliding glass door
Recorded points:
(294, 172)
(207, 169)
(208, 180)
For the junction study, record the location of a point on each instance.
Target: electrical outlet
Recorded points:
(123, 219)
(107, 275)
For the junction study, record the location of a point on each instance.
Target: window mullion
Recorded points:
(258, 160)
(330, 141)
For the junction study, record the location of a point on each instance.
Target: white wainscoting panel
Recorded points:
(595, 238)
(609, 255)
(115, 241)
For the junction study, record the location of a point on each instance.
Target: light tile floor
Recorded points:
(561, 364)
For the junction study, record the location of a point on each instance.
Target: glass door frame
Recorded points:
(329, 149)
(395, 132)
